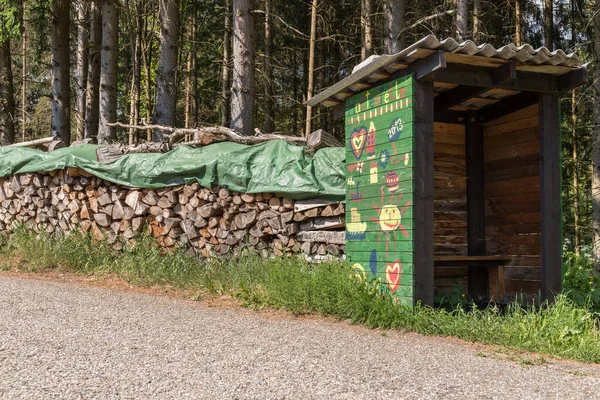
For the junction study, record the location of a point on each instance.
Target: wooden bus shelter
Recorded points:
(454, 168)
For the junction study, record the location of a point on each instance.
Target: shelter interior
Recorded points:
(496, 162)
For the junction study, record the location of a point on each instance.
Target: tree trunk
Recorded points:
(23, 75)
(576, 230)
(596, 142)
(82, 66)
(367, 28)
(477, 11)
(93, 86)
(61, 94)
(225, 70)
(295, 84)
(108, 73)
(518, 24)
(462, 20)
(190, 96)
(136, 57)
(189, 100)
(147, 61)
(311, 66)
(7, 100)
(394, 14)
(269, 124)
(242, 90)
(548, 25)
(166, 86)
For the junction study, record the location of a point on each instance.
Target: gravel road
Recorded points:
(69, 341)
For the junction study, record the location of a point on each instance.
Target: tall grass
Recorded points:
(581, 281)
(563, 329)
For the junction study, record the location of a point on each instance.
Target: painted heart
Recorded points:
(393, 273)
(357, 141)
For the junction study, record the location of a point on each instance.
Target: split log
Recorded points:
(320, 139)
(329, 237)
(323, 223)
(303, 205)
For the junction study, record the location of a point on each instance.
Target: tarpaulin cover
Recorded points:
(274, 167)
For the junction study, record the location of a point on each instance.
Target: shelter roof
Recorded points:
(503, 72)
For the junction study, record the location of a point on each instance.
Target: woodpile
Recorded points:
(213, 222)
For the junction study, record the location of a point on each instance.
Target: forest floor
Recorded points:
(72, 336)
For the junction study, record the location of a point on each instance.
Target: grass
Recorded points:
(563, 329)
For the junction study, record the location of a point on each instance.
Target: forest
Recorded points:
(97, 69)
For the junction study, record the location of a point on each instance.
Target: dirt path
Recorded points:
(69, 341)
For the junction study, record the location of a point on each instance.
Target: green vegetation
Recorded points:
(581, 282)
(564, 329)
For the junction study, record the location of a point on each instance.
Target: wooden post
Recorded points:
(550, 191)
(478, 281)
(423, 192)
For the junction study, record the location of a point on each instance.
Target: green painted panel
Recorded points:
(392, 162)
(372, 194)
(386, 241)
(407, 269)
(399, 90)
(386, 271)
(392, 178)
(378, 256)
(405, 301)
(390, 218)
(394, 278)
(374, 237)
(370, 155)
(379, 179)
(388, 127)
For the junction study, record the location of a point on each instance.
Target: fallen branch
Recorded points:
(31, 143)
(108, 154)
(209, 134)
(49, 143)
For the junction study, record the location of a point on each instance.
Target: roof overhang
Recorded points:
(464, 73)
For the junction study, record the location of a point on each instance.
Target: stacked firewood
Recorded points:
(211, 222)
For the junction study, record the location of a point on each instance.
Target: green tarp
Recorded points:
(274, 167)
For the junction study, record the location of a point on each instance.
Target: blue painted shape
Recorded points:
(373, 262)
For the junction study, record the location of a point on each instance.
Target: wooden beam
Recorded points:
(423, 192)
(571, 80)
(456, 96)
(339, 111)
(504, 73)
(430, 65)
(507, 106)
(487, 77)
(449, 116)
(478, 278)
(550, 192)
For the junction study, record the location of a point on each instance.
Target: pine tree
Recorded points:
(61, 94)
(242, 91)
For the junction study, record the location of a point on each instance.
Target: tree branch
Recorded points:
(209, 134)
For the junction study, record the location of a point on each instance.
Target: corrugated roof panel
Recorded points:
(524, 55)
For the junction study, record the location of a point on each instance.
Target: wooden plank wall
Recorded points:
(512, 190)
(380, 193)
(450, 203)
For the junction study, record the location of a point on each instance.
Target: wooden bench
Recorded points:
(493, 263)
